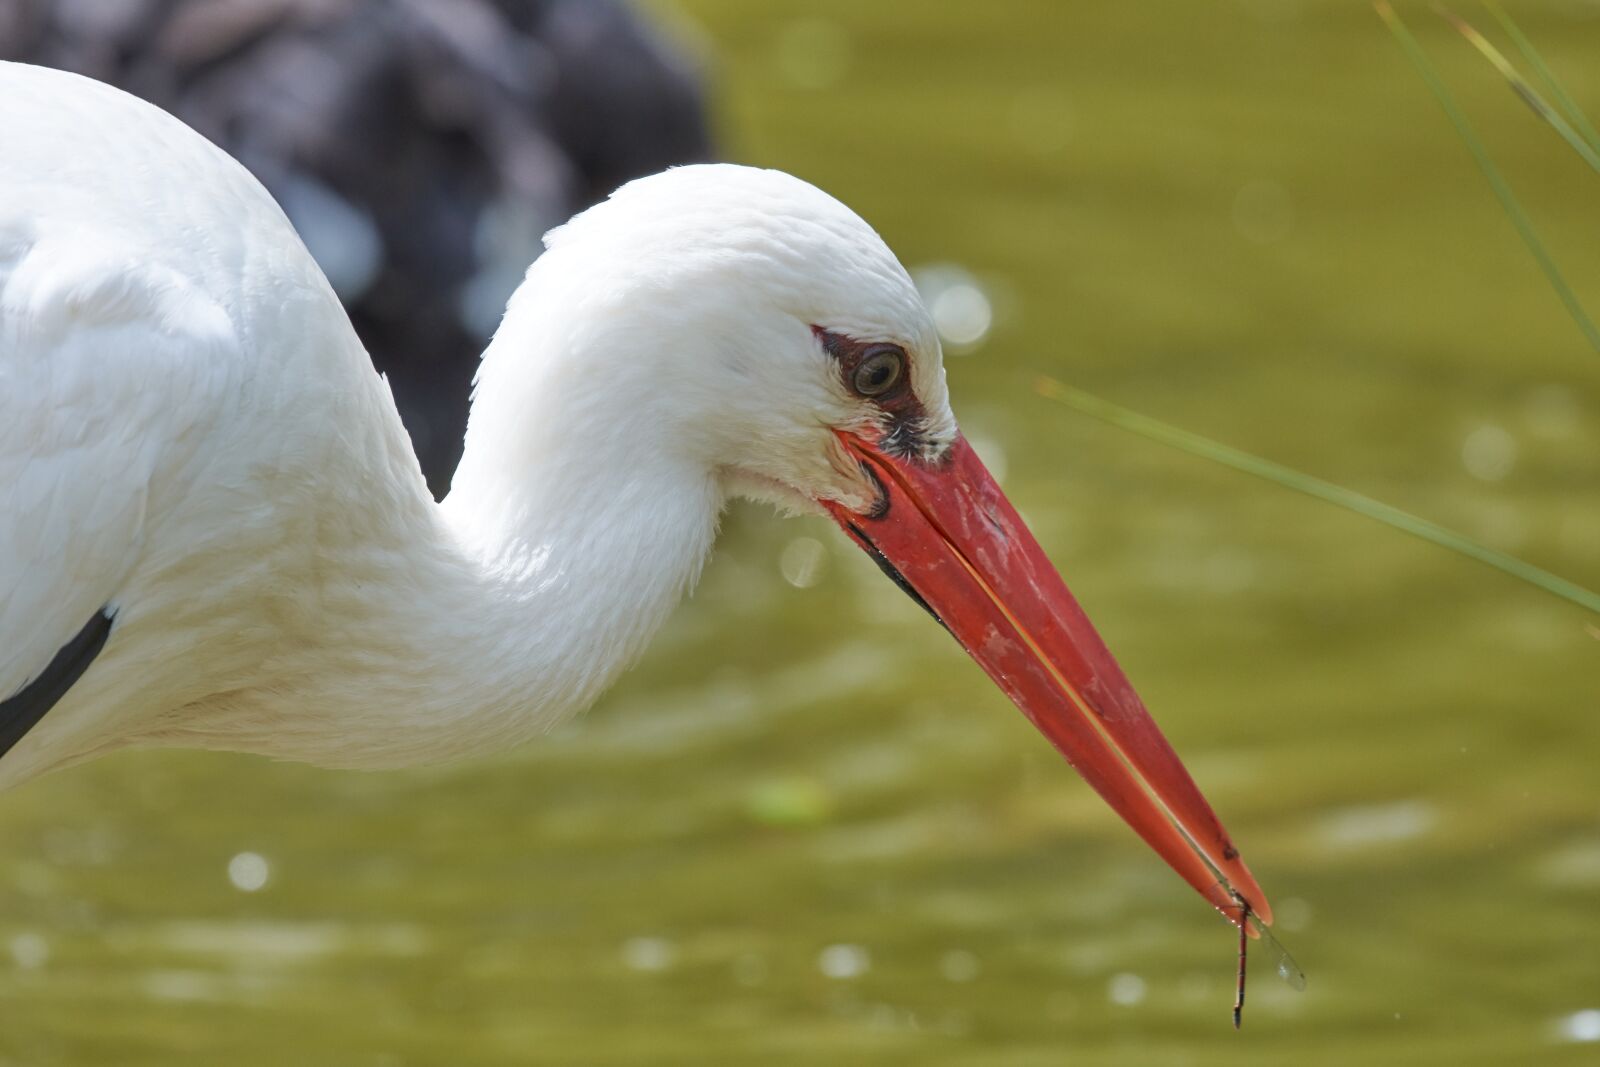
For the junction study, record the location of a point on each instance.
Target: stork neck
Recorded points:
(577, 560)
(576, 520)
(582, 509)
(465, 627)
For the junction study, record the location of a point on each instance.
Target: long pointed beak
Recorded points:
(947, 535)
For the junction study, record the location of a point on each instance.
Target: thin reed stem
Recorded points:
(1337, 495)
(1497, 182)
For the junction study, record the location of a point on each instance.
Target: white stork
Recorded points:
(213, 531)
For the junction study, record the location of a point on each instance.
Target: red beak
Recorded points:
(947, 535)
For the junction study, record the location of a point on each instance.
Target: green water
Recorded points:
(806, 829)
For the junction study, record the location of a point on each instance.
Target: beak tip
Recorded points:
(1242, 896)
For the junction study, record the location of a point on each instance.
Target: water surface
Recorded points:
(807, 829)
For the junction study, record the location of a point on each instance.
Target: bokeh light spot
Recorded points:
(1580, 1026)
(248, 871)
(843, 962)
(649, 954)
(803, 561)
(1125, 989)
(1488, 453)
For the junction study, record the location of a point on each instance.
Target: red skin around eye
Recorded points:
(904, 408)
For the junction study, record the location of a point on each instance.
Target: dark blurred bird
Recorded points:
(421, 147)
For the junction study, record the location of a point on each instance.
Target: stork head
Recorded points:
(760, 331)
(751, 316)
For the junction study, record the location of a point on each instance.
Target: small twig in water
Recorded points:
(1244, 944)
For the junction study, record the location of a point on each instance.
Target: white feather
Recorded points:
(191, 433)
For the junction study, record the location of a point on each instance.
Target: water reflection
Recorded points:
(649, 954)
(843, 962)
(1377, 825)
(1126, 990)
(1581, 1026)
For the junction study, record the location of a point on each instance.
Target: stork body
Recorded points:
(193, 438)
(194, 446)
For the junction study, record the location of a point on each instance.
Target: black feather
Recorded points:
(21, 712)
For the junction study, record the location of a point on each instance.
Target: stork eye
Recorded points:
(879, 371)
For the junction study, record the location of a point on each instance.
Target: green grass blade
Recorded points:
(1546, 75)
(1497, 182)
(1337, 495)
(1525, 92)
